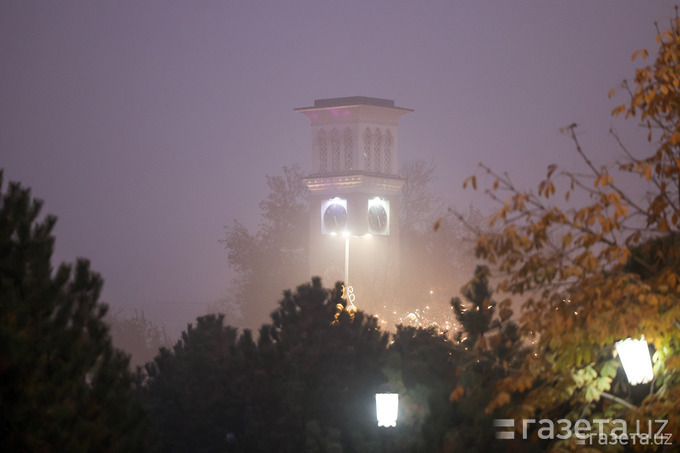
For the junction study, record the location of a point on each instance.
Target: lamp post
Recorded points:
(346, 235)
(637, 363)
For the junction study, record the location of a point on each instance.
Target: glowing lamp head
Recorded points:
(346, 234)
(636, 360)
(387, 408)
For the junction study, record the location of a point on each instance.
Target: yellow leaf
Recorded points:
(611, 93)
(566, 240)
(643, 52)
(618, 110)
(470, 179)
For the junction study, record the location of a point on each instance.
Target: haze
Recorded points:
(148, 126)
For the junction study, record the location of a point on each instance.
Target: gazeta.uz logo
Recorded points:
(599, 431)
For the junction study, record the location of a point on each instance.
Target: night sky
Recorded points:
(146, 126)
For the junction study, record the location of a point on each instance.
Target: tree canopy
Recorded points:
(64, 386)
(305, 384)
(277, 251)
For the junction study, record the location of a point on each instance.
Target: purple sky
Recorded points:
(148, 125)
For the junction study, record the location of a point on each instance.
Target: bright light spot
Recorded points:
(368, 235)
(346, 234)
(375, 202)
(431, 292)
(637, 363)
(387, 408)
(333, 233)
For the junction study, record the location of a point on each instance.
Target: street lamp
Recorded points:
(636, 360)
(387, 408)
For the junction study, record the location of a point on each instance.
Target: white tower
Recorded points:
(354, 201)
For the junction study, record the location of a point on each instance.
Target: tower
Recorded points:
(354, 199)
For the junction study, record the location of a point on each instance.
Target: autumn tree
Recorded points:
(64, 386)
(591, 274)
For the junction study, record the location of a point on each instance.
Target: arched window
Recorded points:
(367, 149)
(335, 149)
(377, 151)
(388, 152)
(323, 152)
(347, 139)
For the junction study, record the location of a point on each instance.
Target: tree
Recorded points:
(64, 386)
(487, 347)
(277, 251)
(433, 261)
(475, 318)
(305, 384)
(419, 206)
(188, 388)
(137, 336)
(420, 366)
(595, 273)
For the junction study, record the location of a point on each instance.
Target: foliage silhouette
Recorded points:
(64, 386)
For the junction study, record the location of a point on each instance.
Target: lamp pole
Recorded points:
(347, 235)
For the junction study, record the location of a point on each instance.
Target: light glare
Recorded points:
(387, 408)
(637, 363)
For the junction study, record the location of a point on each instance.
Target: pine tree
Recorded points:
(64, 386)
(475, 317)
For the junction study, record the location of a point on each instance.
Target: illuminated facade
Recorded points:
(354, 192)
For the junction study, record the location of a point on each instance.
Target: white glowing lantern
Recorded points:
(636, 360)
(387, 408)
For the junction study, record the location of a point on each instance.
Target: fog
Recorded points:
(147, 127)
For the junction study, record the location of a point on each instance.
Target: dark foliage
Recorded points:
(64, 386)
(305, 384)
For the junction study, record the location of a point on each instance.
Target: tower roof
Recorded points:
(350, 101)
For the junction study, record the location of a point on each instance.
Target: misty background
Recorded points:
(148, 126)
